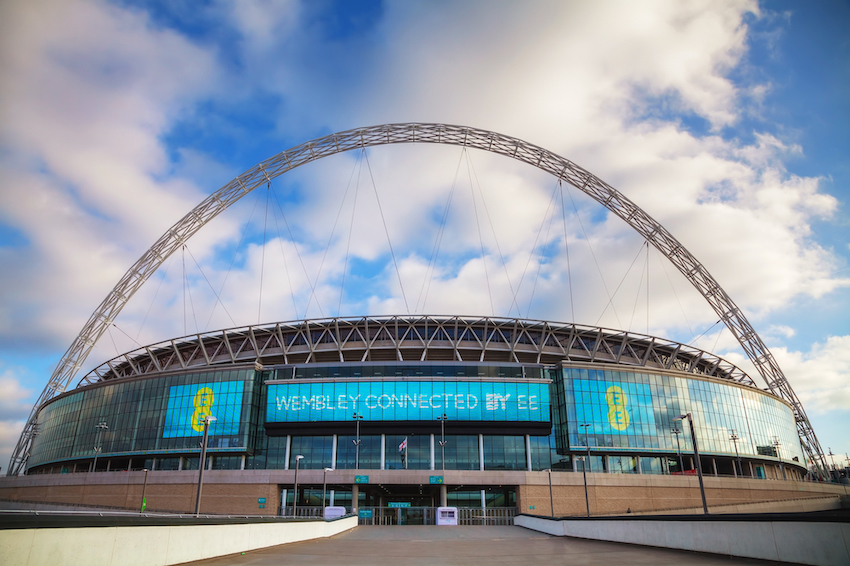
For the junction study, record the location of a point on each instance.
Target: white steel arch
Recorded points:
(493, 142)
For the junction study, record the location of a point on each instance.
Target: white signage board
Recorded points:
(334, 512)
(447, 516)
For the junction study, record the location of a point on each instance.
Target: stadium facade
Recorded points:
(399, 395)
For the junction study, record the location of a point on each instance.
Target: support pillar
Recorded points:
(444, 495)
(355, 497)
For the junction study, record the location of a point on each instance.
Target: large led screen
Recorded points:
(408, 401)
(620, 408)
(188, 405)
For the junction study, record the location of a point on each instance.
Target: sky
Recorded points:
(725, 120)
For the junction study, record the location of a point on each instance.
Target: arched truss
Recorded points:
(493, 142)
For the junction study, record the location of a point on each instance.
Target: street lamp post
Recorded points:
(677, 432)
(776, 445)
(203, 462)
(144, 490)
(325, 486)
(298, 459)
(551, 500)
(734, 438)
(443, 438)
(696, 457)
(584, 467)
(357, 418)
(101, 426)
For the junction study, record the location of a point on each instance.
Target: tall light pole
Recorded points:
(776, 445)
(144, 490)
(443, 438)
(203, 462)
(357, 418)
(677, 432)
(584, 467)
(696, 457)
(734, 438)
(325, 486)
(551, 500)
(101, 426)
(298, 459)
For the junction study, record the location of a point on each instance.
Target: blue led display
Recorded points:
(408, 401)
(188, 405)
(619, 407)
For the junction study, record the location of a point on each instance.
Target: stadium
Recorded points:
(395, 416)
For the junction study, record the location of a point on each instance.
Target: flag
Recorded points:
(403, 445)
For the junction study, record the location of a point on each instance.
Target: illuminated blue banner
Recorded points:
(408, 401)
(189, 405)
(613, 407)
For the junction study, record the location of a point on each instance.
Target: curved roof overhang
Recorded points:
(415, 339)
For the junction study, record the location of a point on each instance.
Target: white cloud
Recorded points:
(15, 406)
(88, 89)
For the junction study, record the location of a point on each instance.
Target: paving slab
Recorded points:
(468, 546)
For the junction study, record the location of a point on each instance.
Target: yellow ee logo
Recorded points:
(618, 416)
(203, 402)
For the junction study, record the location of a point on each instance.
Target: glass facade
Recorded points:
(636, 411)
(155, 422)
(154, 415)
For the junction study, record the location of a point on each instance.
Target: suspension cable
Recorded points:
(438, 240)
(282, 250)
(611, 300)
(480, 238)
(495, 237)
(675, 294)
(350, 232)
(567, 250)
(386, 231)
(235, 254)
(531, 253)
(204, 275)
(595, 261)
(263, 254)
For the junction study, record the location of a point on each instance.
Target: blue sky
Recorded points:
(726, 121)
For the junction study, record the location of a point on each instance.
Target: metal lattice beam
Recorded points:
(493, 142)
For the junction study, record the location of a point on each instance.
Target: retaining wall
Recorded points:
(820, 539)
(154, 545)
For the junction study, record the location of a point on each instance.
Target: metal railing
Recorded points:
(427, 515)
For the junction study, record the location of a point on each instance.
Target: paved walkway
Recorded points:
(467, 546)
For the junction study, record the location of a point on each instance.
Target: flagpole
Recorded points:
(405, 453)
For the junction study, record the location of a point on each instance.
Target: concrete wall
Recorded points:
(816, 543)
(153, 545)
(615, 494)
(237, 491)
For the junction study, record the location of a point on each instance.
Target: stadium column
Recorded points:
(286, 452)
(355, 496)
(528, 451)
(444, 495)
(432, 451)
(333, 451)
(481, 453)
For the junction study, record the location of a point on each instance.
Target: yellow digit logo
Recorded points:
(204, 399)
(618, 416)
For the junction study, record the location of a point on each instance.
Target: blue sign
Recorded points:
(364, 513)
(361, 479)
(408, 401)
(613, 407)
(189, 405)
(436, 479)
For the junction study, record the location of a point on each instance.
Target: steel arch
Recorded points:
(493, 142)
